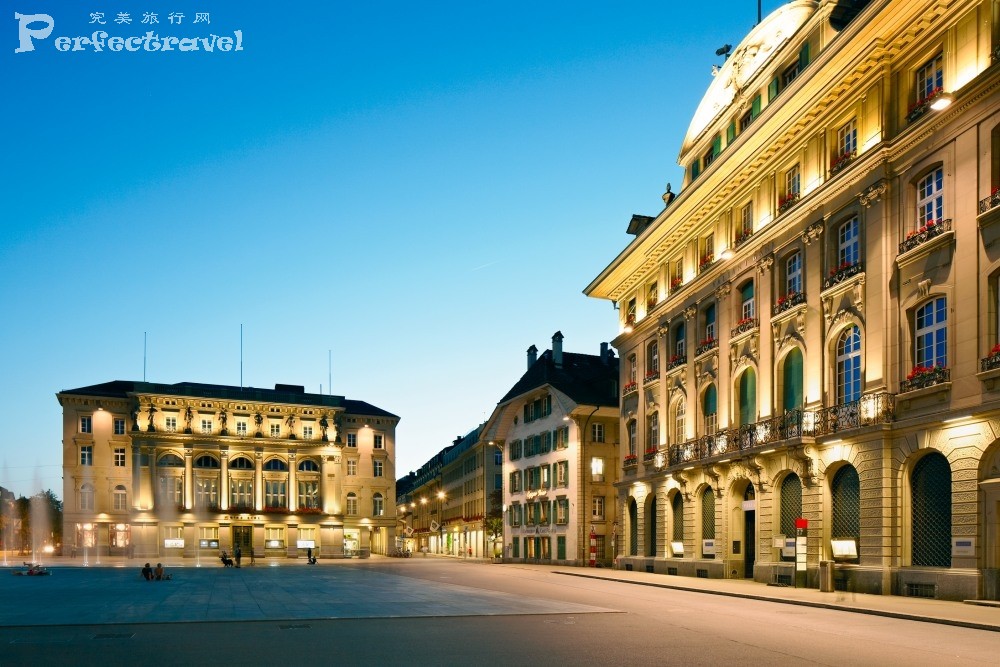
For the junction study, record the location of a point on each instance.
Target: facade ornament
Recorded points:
(924, 287)
(338, 425)
(873, 193)
(188, 418)
(682, 482)
(668, 196)
(150, 412)
(812, 232)
(135, 416)
(223, 419)
(258, 420)
(690, 312)
(843, 315)
(800, 323)
(723, 290)
(827, 308)
(324, 424)
(765, 263)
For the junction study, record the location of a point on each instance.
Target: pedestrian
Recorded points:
(158, 572)
(470, 552)
(309, 556)
(253, 557)
(238, 554)
(147, 572)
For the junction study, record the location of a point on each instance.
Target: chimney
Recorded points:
(557, 339)
(604, 353)
(532, 356)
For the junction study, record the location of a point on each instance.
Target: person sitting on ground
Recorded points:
(159, 572)
(147, 572)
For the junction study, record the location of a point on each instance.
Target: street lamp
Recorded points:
(440, 522)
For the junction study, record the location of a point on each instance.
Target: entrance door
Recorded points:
(749, 531)
(243, 538)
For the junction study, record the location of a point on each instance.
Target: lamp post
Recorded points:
(423, 508)
(440, 522)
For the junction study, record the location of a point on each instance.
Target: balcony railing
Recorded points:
(744, 325)
(742, 238)
(990, 363)
(675, 361)
(990, 202)
(787, 301)
(631, 461)
(840, 162)
(651, 377)
(842, 273)
(922, 377)
(705, 346)
(706, 263)
(868, 410)
(925, 233)
(648, 456)
(630, 388)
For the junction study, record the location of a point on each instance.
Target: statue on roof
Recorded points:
(668, 196)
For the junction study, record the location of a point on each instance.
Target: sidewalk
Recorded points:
(979, 615)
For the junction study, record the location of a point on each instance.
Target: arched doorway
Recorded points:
(633, 528)
(749, 531)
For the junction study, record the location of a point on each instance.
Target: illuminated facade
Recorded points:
(809, 330)
(558, 428)
(190, 469)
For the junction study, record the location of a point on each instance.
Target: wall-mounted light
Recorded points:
(942, 101)
(727, 254)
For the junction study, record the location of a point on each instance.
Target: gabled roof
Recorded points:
(291, 394)
(585, 378)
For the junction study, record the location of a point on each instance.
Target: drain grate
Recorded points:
(920, 590)
(111, 635)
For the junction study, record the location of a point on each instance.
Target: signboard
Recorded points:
(778, 542)
(844, 548)
(963, 546)
(749, 505)
(788, 547)
(306, 544)
(208, 544)
(801, 523)
(273, 544)
(677, 548)
(800, 546)
(708, 547)
(173, 543)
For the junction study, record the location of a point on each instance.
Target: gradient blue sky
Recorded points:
(423, 188)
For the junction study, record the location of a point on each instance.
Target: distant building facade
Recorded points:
(190, 469)
(558, 427)
(809, 330)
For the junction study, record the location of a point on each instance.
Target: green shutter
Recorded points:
(748, 397)
(792, 381)
(804, 56)
(755, 106)
(772, 89)
(731, 133)
(695, 169)
(717, 145)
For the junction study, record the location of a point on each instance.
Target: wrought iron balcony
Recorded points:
(705, 346)
(868, 410)
(841, 161)
(990, 202)
(675, 361)
(787, 301)
(630, 388)
(651, 377)
(925, 233)
(922, 377)
(631, 461)
(842, 273)
(742, 238)
(990, 363)
(649, 455)
(744, 325)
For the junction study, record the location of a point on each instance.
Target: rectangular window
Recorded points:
(308, 495)
(241, 427)
(544, 475)
(206, 492)
(709, 323)
(87, 455)
(597, 469)
(206, 427)
(848, 245)
(930, 78)
(746, 223)
(562, 511)
(746, 119)
(378, 444)
(274, 493)
(676, 273)
(652, 294)
(562, 473)
(119, 426)
(352, 504)
(377, 468)
(497, 481)
(793, 182)
(793, 274)
(707, 250)
(930, 198)
(498, 457)
(86, 425)
(274, 538)
(747, 301)
(275, 430)
(352, 439)
(307, 432)
(847, 139)
(789, 74)
(352, 467)
(119, 457)
(597, 432)
(172, 490)
(515, 450)
(598, 508)
(241, 494)
(119, 500)
(170, 424)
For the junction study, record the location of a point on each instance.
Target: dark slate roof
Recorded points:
(585, 378)
(293, 394)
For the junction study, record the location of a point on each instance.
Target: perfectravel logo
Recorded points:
(36, 30)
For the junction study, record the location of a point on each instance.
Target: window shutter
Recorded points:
(755, 106)
(731, 133)
(695, 169)
(717, 145)
(804, 56)
(772, 90)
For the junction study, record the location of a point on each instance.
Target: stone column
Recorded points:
(258, 480)
(293, 491)
(188, 480)
(224, 481)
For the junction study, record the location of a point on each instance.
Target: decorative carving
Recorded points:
(859, 294)
(324, 424)
(765, 263)
(151, 411)
(812, 232)
(682, 481)
(723, 290)
(827, 308)
(800, 322)
(924, 287)
(690, 312)
(873, 193)
(843, 315)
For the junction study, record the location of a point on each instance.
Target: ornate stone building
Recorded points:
(191, 469)
(809, 329)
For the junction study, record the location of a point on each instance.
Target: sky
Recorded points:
(403, 196)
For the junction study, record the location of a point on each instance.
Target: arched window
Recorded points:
(275, 465)
(710, 409)
(308, 465)
(87, 496)
(206, 461)
(170, 460)
(652, 359)
(680, 421)
(930, 493)
(651, 528)
(845, 502)
(653, 431)
(241, 463)
(119, 499)
(747, 397)
(378, 505)
(677, 516)
(849, 366)
(930, 326)
(352, 504)
(708, 519)
(791, 505)
(633, 528)
(792, 396)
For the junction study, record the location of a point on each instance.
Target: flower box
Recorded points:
(706, 345)
(787, 201)
(630, 387)
(929, 230)
(841, 161)
(924, 376)
(309, 510)
(675, 283)
(706, 262)
(651, 376)
(786, 301)
(743, 237)
(992, 360)
(917, 109)
(631, 460)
